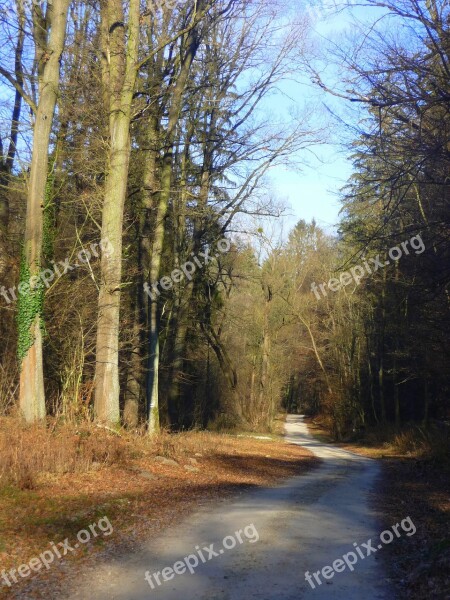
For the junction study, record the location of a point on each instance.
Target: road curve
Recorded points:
(304, 524)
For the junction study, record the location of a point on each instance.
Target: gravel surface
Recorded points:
(303, 525)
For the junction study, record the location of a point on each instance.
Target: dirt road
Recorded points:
(260, 545)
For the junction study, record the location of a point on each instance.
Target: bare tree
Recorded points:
(120, 47)
(48, 33)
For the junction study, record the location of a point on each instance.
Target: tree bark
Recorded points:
(192, 44)
(32, 395)
(263, 400)
(120, 78)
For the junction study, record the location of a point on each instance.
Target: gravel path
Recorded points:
(302, 525)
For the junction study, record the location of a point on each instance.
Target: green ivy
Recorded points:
(49, 216)
(31, 302)
(30, 305)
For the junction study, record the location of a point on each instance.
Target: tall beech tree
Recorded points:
(120, 52)
(48, 35)
(120, 35)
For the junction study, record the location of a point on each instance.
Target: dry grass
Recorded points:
(413, 441)
(28, 452)
(429, 444)
(57, 481)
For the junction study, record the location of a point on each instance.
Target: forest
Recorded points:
(146, 281)
(224, 299)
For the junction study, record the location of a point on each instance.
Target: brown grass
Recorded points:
(28, 452)
(412, 441)
(59, 480)
(427, 444)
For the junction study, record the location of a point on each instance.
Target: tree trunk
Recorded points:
(426, 401)
(120, 78)
(107, 369)
(381, 352)
(184, 301)
(7, 162)
(262, 398)
(160, 229)
(32, 395)
(134, 377)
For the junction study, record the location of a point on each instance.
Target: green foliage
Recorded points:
(31, 301)
(30, 306)
(49, 216)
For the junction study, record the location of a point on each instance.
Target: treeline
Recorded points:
(384, 334)
(355, 327)
(401, 190)
(135, 144)
(147, 137)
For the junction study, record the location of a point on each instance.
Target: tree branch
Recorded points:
(18, 88)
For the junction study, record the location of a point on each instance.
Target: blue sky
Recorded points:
(313, 194)
(313, 191)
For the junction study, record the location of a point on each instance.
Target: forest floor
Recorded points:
(162, 496)
(263, 544)
(418, 485)
(56, 482)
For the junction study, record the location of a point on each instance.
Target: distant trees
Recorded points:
(388, 336)
(375, 351)
(202, 150)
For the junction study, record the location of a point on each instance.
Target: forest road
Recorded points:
(304, 524)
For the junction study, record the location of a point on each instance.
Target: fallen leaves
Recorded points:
(143, 495)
